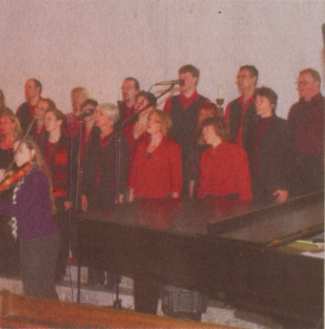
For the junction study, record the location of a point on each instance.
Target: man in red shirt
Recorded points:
(306, 129)
(240, 112)
(183, 110)
(25, 112)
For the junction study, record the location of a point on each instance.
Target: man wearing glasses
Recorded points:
(306, 128)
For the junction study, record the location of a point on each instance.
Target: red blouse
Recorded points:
(224, 171)
(158, 174)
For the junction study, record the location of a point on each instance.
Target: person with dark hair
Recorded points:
(145, 104)
(88, 112)
(31, 209)
(268, 150)
(240, 112)
(306, 133)
(26, 111)
(207, 110)
(130, 89)
(183, 110)
(38, 130)
(57, 155)
(224, 169)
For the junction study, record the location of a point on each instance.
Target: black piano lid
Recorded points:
(275, 225)
(268, 226)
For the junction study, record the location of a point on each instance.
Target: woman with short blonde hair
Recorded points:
(110, 110)
(156, 154)
(105, 173)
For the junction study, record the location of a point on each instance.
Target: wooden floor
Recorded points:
(217, 312)
(18, 311)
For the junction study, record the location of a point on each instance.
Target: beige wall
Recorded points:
(96, 43)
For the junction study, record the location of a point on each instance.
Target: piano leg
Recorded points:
(146, 295)
(78, 281)
(117, 304)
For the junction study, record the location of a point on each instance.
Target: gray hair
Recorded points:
(110, 110)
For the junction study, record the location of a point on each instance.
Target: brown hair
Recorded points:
(150, 97)
(209, 107)
(37, 84)
(135, 82)
(59, 116)
(189, 68)
(79, 90)
(251, 69)
(51, 104)
(165, 119)
(219, 125)
(268, 93)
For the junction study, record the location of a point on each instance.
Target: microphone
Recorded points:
(86, 113)
(170, 82)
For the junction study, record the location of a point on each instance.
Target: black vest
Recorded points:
(235, 118)
(183, 130)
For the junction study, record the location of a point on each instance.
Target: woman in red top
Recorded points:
(56, 151)
(224, 170)
(156, 171)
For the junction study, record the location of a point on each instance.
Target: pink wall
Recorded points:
(96, 43)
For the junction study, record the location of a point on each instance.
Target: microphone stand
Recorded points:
(79, 168)
(117, 138)
(118, 149)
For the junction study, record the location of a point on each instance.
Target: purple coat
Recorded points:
(33, 209)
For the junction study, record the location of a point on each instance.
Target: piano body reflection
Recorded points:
(214, 247)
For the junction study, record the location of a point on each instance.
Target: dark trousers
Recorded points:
(307, 174)
(62, 260)
(9, 250)
(38, 261)
(68, 238)
(146, 295)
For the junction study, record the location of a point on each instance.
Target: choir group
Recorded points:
(104, 154)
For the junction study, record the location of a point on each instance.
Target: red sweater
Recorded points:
(223, 171)
(158, 174)
(56, 157)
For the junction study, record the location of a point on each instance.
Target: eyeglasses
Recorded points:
(302, 83)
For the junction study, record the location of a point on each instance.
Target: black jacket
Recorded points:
(268, 158)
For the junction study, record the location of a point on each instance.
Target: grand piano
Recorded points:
(217, 247)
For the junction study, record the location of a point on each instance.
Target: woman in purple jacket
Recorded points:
(33, 225)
